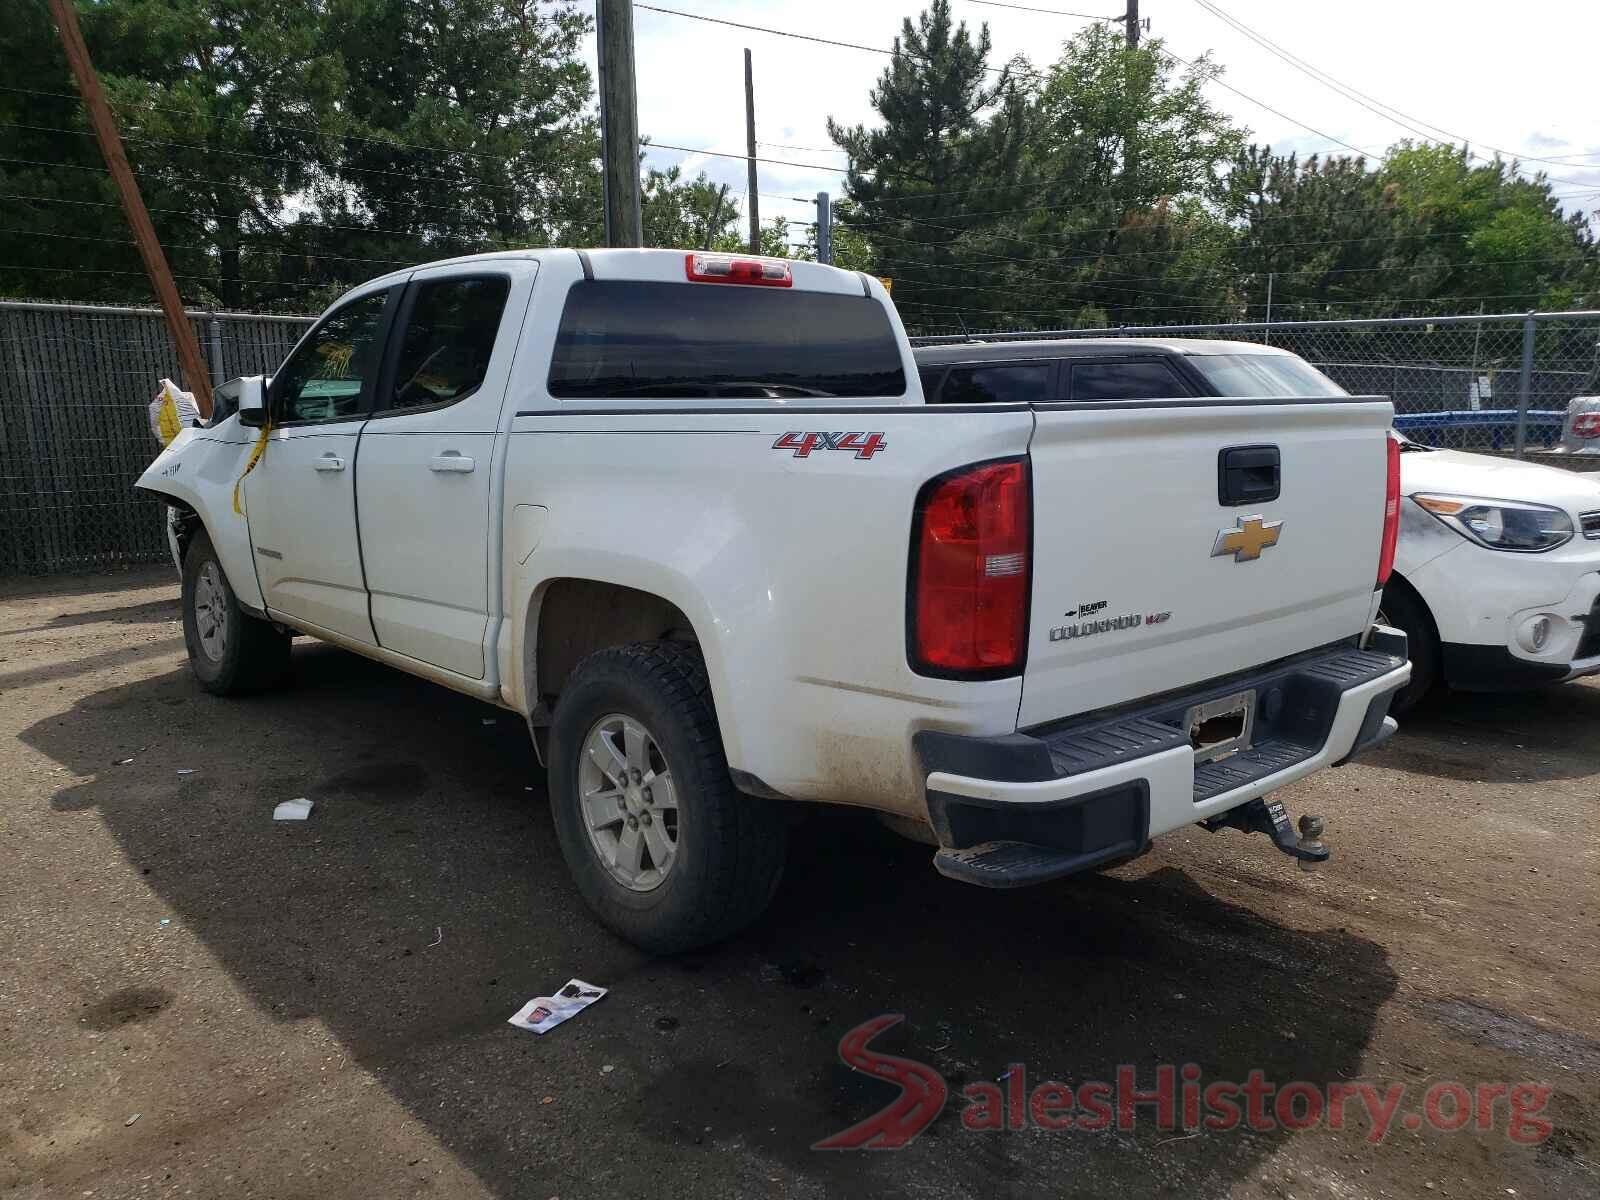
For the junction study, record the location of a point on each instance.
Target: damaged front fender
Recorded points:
(195, 476)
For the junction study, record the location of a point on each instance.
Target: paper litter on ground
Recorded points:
(544, 1013)
(292, 810)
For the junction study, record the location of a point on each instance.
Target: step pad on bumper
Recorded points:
(1015, 864)
(1263, 759)
(1295, 707)
(1108, 744)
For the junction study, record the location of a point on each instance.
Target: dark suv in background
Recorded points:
(1109, 369)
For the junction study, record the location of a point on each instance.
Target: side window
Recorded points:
(930, 377)
(324, 378)
(1023, 383)
(448, 336)
(1148, 379)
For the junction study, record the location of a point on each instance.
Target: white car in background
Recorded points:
(1497, 572)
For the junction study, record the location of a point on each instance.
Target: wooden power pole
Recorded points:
(1132, 19)
(619, 122)
(190, 361)
(750, 150)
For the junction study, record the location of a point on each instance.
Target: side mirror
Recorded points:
(252, 401)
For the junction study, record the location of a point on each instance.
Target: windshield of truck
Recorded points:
(719, 341)
(1270, 375)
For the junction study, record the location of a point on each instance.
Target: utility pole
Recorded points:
(1132, 26)
(750, 150)
(619, 122)
(190, 362)
(824, 228)
(1271, 275)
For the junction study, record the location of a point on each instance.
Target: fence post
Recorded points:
(214, 346)
(1524, 383)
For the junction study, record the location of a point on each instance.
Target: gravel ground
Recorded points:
(198, 1001)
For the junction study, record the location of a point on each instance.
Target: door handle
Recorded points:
(329, 462)
(1248, 475)
(451, 460)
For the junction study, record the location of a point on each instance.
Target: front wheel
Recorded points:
(665, 850)
(229, 650)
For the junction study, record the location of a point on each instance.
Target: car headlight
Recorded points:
(1501, 524)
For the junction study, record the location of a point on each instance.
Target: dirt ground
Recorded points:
(196, 1001)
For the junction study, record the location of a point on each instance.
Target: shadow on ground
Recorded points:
(143, 612)
(1498, 737)
(425, 900)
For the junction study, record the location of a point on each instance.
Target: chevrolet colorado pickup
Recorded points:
(689, 515)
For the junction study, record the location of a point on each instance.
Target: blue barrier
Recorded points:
(1447, 428)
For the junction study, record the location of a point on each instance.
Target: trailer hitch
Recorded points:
(1271, 818)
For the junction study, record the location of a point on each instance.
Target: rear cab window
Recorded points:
(446, 336)
(631, 338)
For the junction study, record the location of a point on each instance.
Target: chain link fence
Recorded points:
(1495, 383)
(76, 380)
(75, 385)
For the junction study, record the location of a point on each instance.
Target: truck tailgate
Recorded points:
(1136, 589)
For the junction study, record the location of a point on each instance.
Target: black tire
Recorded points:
(1403, 609)
(240, 653)
(729, 845)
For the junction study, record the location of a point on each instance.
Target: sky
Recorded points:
(1520, 80)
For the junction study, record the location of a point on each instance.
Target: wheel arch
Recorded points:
(1426, 651)
(189, 521)
(1404, 586)
(570, 617)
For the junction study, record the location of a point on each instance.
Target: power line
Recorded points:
(1054, 12)
(59, 270)
(1223, 274)
(1252, 220)
(300, 161)
(808, 149)
(782, 162)
(170, 177)
(281, 226)
(1262, 104)
(807, 37)
(1370, 103)
(209, 246)
(254, 123)
(1222, 307)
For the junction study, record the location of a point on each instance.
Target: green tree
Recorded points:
(1325, 232)
(465, 126)
(697, 214)
(217, 107)
(1126, 158)
(948, 148)
(1501, 237)
(287, 151)
(213, 100)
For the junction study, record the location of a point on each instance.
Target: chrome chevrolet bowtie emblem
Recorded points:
(1248, 539)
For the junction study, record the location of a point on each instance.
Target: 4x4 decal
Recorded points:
(864, 445)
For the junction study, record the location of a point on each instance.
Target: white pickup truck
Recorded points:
(690, 516)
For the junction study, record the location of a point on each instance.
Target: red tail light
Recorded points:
(716, 268)
(1391, 513)
(971, 545)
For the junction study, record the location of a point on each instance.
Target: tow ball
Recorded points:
(1270, 817)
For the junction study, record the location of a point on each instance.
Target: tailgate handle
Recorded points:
(1248, 474)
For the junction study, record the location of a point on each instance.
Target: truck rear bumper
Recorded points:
(1028, 807)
